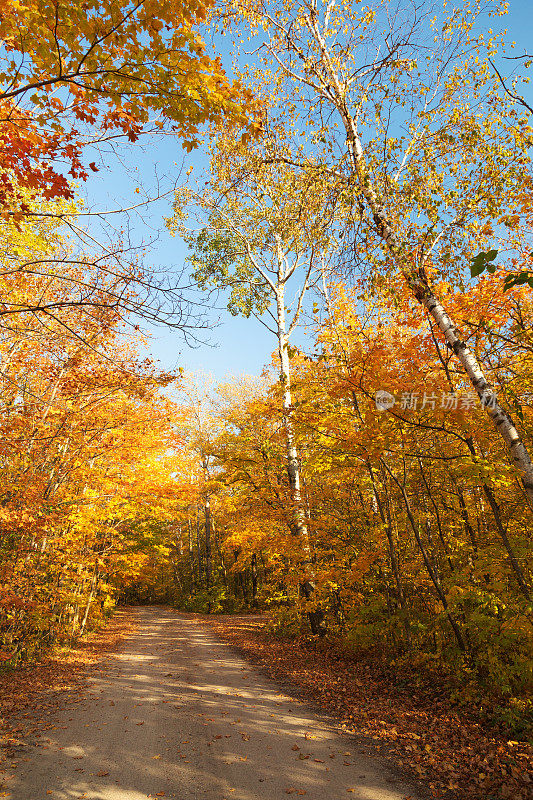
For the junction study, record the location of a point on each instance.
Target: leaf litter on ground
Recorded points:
(416, 724)
(31, 693)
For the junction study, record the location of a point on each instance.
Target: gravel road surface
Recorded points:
(177, 714)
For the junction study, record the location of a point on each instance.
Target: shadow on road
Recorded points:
(177, 714)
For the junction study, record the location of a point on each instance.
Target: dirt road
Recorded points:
(176, 714)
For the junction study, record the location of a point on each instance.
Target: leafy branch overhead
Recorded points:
(485, 261)
(72, 73)
(220, 260)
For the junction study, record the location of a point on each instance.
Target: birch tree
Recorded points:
(265, 238)
(401, 112)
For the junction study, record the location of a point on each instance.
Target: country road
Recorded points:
(175, 713)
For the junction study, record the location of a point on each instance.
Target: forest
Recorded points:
(365, 195)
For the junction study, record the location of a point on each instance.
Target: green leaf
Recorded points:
(482, 262)
(518, 279)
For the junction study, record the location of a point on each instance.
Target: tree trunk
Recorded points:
(191, 555)
(254, 580)
(466, 521)
(90, 599)
(386, 522)
(207, 517)
(198, 546)
(298, 525)
(429, 567)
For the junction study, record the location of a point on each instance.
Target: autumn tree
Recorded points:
(424, 161)
(267, 231)
(79, 77)
(78, 506)
(73, 74)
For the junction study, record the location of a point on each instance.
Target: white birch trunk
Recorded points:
(293, 467)
(299, 524)
(501, 419)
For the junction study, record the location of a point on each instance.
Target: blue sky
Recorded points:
(236, 345)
